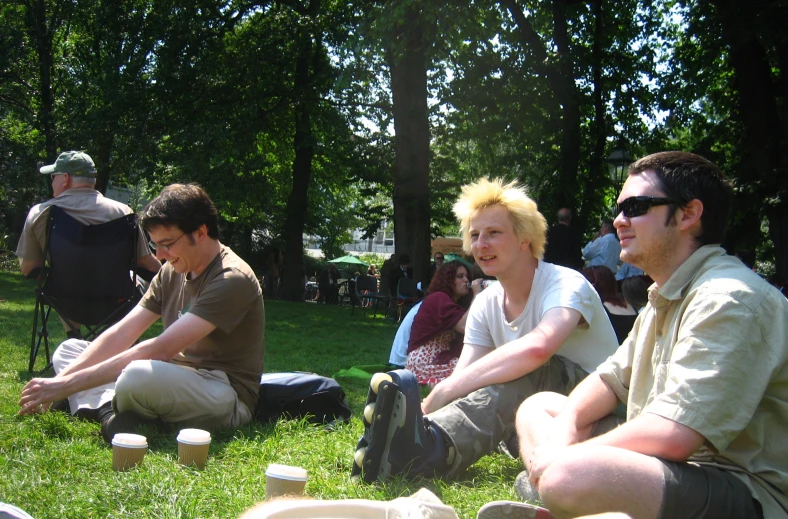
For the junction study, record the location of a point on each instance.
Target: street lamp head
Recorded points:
(617, 163)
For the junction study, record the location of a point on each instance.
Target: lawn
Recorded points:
(55, 466)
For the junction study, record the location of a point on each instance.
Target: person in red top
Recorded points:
(438, 329)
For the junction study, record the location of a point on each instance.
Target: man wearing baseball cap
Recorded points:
(73, 185)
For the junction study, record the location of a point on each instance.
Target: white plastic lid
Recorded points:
(133, 441)
(286, 472)
(194, 437)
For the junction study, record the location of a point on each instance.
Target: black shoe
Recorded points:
(94, 415)
(124, 422)
(398, 439)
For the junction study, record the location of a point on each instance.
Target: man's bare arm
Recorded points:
(186, 331)
(27, 266)
(653, 435)
(116, 339)
(593, 399)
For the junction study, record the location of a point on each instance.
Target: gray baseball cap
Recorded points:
(74, 163)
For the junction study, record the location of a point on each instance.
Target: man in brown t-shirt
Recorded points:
(204, 369)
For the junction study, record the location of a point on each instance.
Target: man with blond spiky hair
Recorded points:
(541, 327)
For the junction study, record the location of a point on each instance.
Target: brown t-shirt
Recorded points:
(85, 205)
(227, 295)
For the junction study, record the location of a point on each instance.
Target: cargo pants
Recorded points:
(476, 424)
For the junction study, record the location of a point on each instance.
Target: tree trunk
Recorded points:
(562, 81)
(298, 202)
(407, 61)
(566, 92)
(102, 156)
(42, 36)
(596, 174)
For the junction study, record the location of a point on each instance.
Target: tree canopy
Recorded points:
(320, 117)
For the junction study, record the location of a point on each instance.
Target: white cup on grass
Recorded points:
(282, 480)
(193, 447)
(128, 450)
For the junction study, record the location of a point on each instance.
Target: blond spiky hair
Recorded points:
(528, 222)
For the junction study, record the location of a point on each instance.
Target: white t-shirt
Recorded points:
(590, 344)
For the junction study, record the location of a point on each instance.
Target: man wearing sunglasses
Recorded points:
(704, 373)
(73, 185)
(204, 369)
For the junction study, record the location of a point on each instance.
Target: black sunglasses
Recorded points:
(639, 205)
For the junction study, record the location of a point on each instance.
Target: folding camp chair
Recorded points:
(366, 289)
(407, 295)
(88, 278)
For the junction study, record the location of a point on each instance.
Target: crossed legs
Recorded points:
(581, 479)
(587, 480)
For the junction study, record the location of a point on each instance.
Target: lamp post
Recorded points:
(617, 163)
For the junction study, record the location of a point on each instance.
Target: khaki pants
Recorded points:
(479, 422)
(161, 390)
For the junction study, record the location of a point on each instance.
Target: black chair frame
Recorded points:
(366, 287)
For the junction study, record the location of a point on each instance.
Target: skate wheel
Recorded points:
(358, 457)
(377, 378)
(369, 412)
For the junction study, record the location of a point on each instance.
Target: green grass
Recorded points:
(53, 465)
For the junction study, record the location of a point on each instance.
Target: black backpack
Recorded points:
(301, 394)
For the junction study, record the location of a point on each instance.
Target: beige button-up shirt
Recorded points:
(709, 351)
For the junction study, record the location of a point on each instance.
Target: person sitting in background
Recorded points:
(404, 270)
(563, 242)
(622, 315)
(438, 259)
(439, 328)
(604, 248)
(328, 289)
(635, 291)
(74, 189)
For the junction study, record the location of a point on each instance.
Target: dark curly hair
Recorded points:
(443, 280)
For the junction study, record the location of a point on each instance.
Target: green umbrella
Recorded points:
(456, 257)
(348, 262)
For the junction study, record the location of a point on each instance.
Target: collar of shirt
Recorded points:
(677, 284)
(79, 191)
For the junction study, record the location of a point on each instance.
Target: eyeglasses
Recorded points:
(53, 175)
(439, 258)
(639, 205)
(154, 247)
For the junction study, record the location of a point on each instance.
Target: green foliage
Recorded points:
(206, 91)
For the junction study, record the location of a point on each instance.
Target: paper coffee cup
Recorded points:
(128, 450)
(193, 447)
(281, 480)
